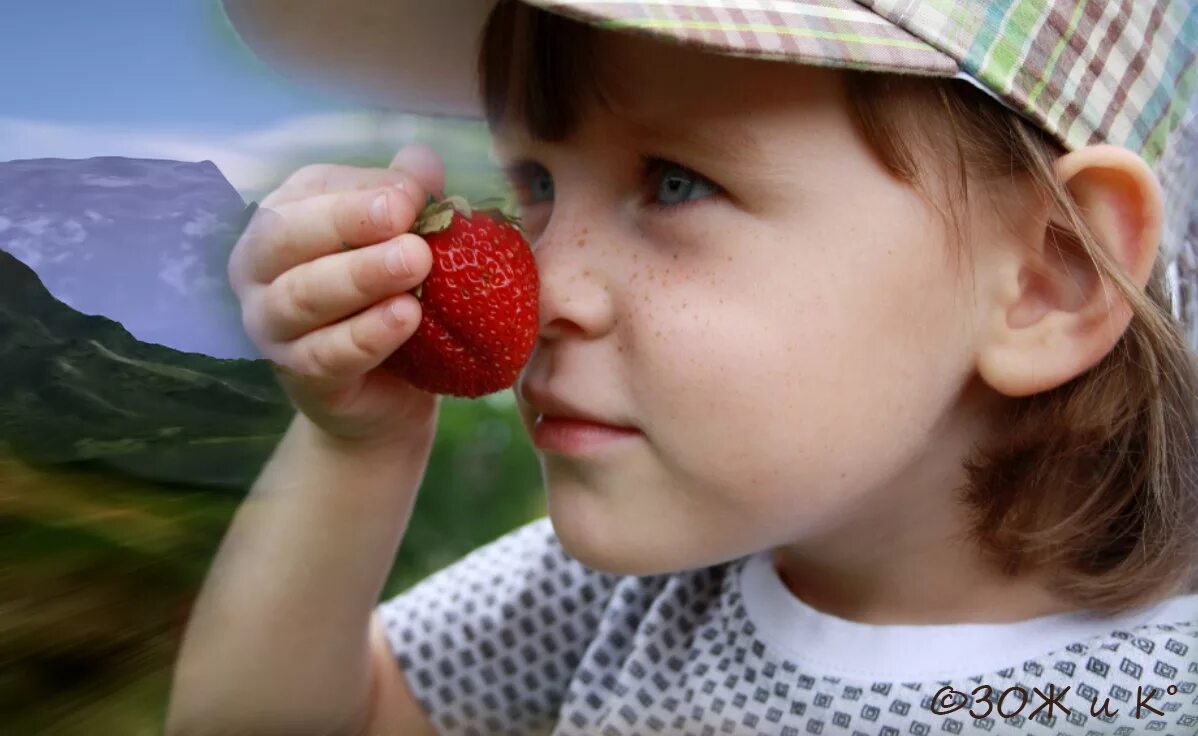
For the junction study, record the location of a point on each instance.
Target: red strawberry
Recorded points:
(479, 303)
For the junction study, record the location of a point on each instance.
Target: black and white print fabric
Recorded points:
(519, 638)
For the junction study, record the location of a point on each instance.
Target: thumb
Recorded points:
(423, 163)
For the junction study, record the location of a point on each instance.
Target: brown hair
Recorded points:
(1093, 481)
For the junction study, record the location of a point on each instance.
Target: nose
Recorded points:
(576, 300)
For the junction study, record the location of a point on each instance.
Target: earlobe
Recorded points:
(1054, 316)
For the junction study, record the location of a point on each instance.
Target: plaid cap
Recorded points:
(1086, 72)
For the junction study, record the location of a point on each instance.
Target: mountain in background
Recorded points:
(79, 387)
(121, 343)
(145, 242)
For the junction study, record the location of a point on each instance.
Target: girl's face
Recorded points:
(727, 267)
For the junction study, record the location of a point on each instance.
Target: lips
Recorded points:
(553, 406)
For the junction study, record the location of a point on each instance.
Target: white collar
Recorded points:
(919, 652)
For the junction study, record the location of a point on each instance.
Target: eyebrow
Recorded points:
(735, 143)
(503, 141)
(730, 142)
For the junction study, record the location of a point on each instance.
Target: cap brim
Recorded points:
(421, 56)
(416, 57)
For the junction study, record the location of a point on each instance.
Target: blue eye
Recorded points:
(678, 184)
(540, 188)
(531, 182)
(673, 184)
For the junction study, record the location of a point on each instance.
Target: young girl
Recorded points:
(888, 426)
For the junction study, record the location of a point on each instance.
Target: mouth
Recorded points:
(560, 426)
(578, 437)
(555, 407)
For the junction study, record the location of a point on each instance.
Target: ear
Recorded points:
(1050, 316)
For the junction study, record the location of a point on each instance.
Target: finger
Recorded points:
(316, 179)
(416, 160)
(281, 238)
(415, 163)
(326, 290)
(422, 162)
(337, 355)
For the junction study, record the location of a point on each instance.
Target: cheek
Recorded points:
(816, 371)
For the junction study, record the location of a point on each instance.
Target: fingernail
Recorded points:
(378, 211)
(411, 157)
(396, 263)
(393, 314)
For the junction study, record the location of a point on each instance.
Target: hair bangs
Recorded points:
(536, 69)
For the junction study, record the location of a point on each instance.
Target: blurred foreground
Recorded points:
(99, 569)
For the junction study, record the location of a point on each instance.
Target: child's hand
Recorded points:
(322, 272)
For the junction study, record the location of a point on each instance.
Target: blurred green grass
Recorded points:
(99, 569)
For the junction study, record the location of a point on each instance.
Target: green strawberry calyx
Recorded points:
(438, 214)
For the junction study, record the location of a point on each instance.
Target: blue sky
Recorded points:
(167, 64)
(169, 79)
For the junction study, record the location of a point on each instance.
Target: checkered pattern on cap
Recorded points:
(1121, 72)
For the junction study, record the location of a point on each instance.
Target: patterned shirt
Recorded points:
(519, 638)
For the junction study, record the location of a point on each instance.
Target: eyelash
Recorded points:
(652, 166)
(522, 173)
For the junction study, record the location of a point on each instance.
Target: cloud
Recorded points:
(107, 181)
(35, 225)
(63, 232)
(69, 232)
(26, 250)
(202, 224)
(185, 275)
(173, 271)
(254, 161)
